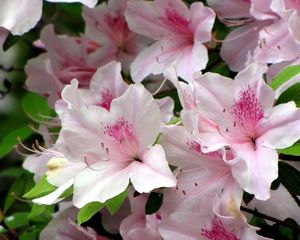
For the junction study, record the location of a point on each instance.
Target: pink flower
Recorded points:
(116, 146)
(66, 58)
(19, 16)
(179, 33)
(106, 24)
(268, 33)
(63, 227)
(138, 225)
(246, 121)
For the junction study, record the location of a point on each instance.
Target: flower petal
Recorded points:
(283, 127)
(20, 16)
(100, 182)
(155, 19)
(260, 171)
(153, 173)
(141, 110)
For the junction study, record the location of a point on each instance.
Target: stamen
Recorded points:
(236, 37)
(33, 150)
(160, 87)
(231, 22)
(248, 110)
(31, 126)
(41, 122)
(21, 153)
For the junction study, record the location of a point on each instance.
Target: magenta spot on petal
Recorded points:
(248, 110)
(173, 19)
(120, 131)
(120, 31)
(107, 97)
(194, 146)
(218, 231)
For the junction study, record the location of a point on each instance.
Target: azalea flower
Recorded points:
(63, 227)
(243, 118)
(118, 43)
(279, 41)
(118, 148)
(138, 225)
(126, 149)
(19, 16)
(66, 58)
(268, 31)
(179, 33)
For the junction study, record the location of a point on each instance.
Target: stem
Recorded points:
(288, 157)
(258, 214)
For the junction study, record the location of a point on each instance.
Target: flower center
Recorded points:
(120, 131)
(248, 111)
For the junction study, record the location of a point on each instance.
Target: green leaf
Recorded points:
(284, 76)
(2, 229)
(153, 203)
(291, 94)
(67, 193)
(10, 41)
(31, 234)
(290, 178)
(293, 150)
(36, 107)
(19, 187)
(42, 188)
(115, 203)
(88, 211)
(247, 197)
(10, 141)
(16, 220)
(41, 213)
(12, 172)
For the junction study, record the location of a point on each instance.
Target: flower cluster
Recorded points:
(120, 137)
